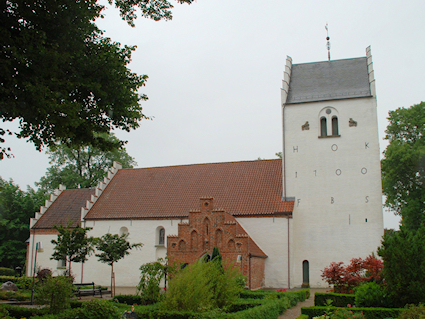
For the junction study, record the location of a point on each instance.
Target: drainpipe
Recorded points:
(249, 260)
(289, 260)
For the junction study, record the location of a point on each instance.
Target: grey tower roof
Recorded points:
(329, 80)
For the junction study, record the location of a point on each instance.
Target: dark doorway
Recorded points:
(306, 274)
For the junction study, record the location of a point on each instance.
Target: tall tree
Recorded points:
(112, 248)
(72, 244)
(403, 165)
(61, 78)
(403, 253)
(82, 167)
(16, 209)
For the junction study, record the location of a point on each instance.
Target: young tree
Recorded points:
(82, 167)
(403, 165)
(61, 78)
(150, 279)
(72, 244)
(113, 248)
(16, 208)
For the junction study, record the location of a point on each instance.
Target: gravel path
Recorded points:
(296, 311)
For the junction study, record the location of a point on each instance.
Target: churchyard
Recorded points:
(213, 288)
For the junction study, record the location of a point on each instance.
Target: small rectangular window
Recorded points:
(61, 264)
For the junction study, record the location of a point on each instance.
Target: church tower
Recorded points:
(331, 164)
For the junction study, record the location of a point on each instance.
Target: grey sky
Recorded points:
(215, 74)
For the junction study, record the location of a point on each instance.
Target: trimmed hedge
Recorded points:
(338, 300)
(7, 271)
(4, 279)
(22, 312)
(369, 313)
(129, 299)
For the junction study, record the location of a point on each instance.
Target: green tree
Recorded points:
(16, 209)
(150, 279)
(113, 248)
(403, 253)
(72, 244)
(55, 292)
(403, 165)
(61, 78)
(82, 167)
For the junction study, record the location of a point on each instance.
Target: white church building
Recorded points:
(283, 221)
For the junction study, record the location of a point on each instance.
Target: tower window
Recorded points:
(323, 128)
(334, 126)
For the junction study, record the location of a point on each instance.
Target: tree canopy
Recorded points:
(72, 244)
(82, 167)
(61, 78)
(16, 208)
(403, 165)
(112, 248)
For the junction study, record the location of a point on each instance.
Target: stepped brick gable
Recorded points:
(212, 227)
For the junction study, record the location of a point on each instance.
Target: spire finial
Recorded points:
(328, 43)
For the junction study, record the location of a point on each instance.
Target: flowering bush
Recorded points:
(346, 278)
(281, 290)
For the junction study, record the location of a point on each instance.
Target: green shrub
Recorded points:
(55, 292)
(371, 294)
(345, 313)
(4, 279)
(369, 313)
(129, 299)
(4, 313)
(201, 287)
(24, 283)
(22, 312)
(14, 295)
(413, 312)
(269, 309)
(403, 253)
(338, 300)
(148, 287)
(7, 271)
(96, 309)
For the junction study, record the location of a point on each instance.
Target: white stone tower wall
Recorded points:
(336, 182)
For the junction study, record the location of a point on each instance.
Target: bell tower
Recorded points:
(331, 164)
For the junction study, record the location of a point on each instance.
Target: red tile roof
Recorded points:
(66, 208)
(252, 188)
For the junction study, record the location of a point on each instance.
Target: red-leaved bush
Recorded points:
(346, 278)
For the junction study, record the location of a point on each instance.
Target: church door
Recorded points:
(306, 274)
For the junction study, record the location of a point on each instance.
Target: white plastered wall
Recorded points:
(336, 182)
(126, 270)
(271, 235)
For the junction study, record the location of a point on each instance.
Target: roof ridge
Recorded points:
(196, 164)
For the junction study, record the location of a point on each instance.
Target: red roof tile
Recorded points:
(249, 188)
(66, 208)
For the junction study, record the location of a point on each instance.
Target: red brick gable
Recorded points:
(251, 188)
(65, 209)
(208, 228)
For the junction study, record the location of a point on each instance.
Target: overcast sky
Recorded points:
(215, 74)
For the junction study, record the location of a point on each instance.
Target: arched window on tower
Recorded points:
(334, 126)
(323, 128)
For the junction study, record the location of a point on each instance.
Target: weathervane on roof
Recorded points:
(328, 44)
